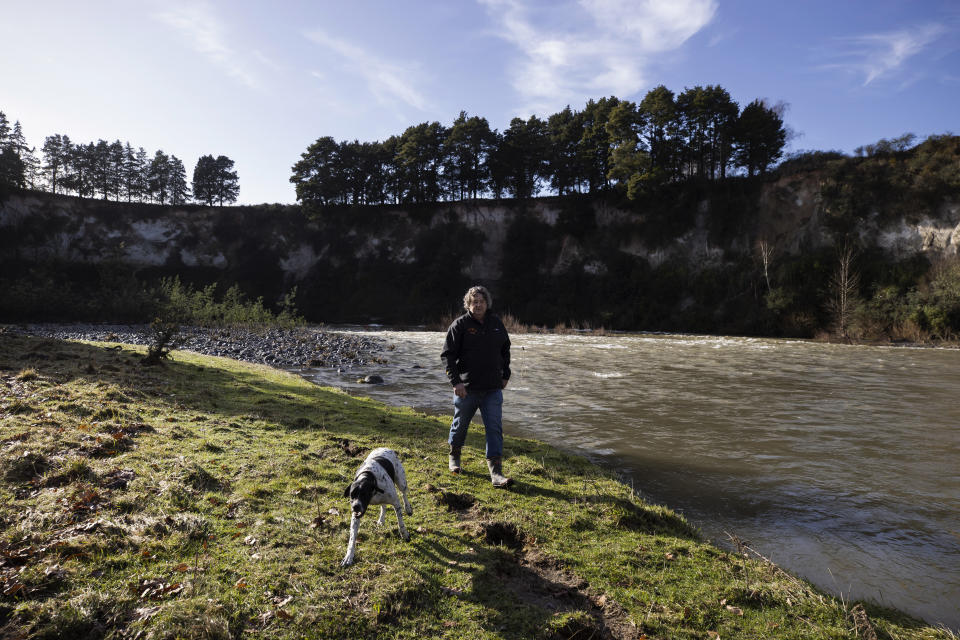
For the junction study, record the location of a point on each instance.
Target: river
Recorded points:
(840, 463)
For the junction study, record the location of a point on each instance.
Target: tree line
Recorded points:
(700, 133)
(111, 170)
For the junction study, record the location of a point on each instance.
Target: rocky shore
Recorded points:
(281, 348)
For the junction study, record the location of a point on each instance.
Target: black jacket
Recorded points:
(477, 353)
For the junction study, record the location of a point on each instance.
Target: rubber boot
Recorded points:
(496, 473)
(454, 461)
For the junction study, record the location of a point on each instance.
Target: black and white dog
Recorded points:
(376, 482)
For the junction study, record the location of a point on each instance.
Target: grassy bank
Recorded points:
(203, 499)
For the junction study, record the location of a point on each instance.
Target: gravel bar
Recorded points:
(281, 348)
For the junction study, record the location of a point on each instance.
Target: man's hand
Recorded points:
(460, 390)
(505, 381)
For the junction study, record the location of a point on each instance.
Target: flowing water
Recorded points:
(840, 463)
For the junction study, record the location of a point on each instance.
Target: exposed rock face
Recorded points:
(790, 214)
(932, 236)
(278, 247)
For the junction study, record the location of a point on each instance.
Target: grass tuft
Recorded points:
(26, 375)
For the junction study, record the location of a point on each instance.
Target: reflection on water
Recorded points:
(840, 463)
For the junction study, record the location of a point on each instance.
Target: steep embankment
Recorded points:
(203, 498)
(685, 259)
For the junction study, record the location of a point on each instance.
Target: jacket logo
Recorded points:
(472, 330)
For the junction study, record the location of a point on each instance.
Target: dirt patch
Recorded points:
(118, 478)
(351, 450)
(544, 582)
(455, 501)
(502, 533)
(24, 466)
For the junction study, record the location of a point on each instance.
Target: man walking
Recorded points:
(477, 358)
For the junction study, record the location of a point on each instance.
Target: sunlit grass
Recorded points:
(203, 499)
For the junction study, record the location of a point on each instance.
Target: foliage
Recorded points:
(203, 500)
(761, 137)
(891, 181)
(582, 268)
(935, 305)
(609, 145)
(520, 159)
(114, 170)
(178, 303)
(163, 340)
(112, 292)
(55, 291)
(214, 180)
(806, 162)
(16, 159)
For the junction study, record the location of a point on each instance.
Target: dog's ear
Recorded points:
(346, 492)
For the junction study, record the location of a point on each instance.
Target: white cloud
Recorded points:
(879, 55)
(598, 47)
(388, 81)
(206, 34)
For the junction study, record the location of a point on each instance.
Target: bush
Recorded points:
(935, 304)
(185, 305)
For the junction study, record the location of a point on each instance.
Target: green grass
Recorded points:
(203, 499)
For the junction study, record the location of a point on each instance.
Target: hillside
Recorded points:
(742, 256)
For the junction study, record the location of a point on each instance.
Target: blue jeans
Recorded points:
(490, 404)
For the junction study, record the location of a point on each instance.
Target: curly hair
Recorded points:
(477, 290)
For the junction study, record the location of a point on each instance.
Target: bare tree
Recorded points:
(844, 285)
(765, 253)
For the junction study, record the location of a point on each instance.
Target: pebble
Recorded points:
(281, 348)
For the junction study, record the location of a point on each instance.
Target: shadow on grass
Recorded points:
(524, 594)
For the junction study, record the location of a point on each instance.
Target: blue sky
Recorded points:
(259, 81)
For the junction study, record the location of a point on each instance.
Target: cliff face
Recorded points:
(790, 216)
(342, 258)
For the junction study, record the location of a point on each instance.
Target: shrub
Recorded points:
(183, 304)
(936, 303)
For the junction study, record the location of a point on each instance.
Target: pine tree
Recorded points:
(130, 174)
(179, 191)
(204, 182)
(760, 137)
(522, 156)
(660, 132)
(11, 169)
(142, 184)
(420, 158)
(30, 166)
(564, 165)
(228, 185)
(55, 150)
(158, 177)
(465, 151)
(116, 180)
(102, 169)
(79, 169)
(4, 130)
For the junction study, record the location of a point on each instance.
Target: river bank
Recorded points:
(203, 497)
(764, 439)
(283, 348)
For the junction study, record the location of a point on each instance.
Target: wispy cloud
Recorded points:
(878, 56)
(388, 81)
(200, 25)
(595, 46)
